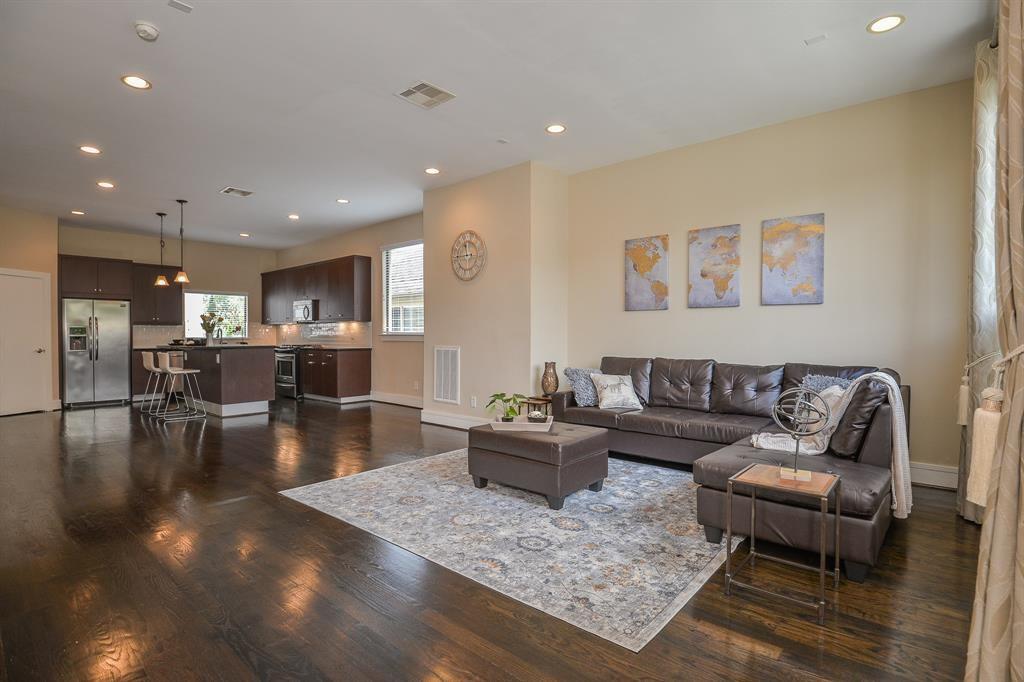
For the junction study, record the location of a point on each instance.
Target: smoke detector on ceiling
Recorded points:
(425, 95)
(235, 192)
(146, 31)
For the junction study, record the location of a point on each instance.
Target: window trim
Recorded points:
(384, 333)
(248, 297)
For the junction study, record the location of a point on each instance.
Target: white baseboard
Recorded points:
(337, 401)
(397, 399)
(456, 421)
(934, 475)
(237, 409)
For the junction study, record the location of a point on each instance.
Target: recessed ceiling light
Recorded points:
(555, 129)
(89, 149)
(342, 201)
(886, 23)
(244, 235)
(431, 171)
(137, 82)
(105, 184)
(293, 216)
(78, 213)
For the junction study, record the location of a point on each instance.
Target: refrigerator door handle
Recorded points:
(96, 344)
(89, 338)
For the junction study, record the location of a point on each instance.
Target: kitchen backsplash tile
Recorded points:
(149, 336)
(357, 334)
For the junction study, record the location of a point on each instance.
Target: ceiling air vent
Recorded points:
(425, 95)
(235, 192)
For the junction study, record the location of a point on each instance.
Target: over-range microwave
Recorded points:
(306, 311)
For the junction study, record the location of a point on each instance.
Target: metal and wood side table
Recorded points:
(541, 403)
(766, 477)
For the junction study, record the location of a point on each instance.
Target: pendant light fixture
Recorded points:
(182, 276)
(161, 279)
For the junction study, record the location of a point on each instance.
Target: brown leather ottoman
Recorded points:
(567, 458)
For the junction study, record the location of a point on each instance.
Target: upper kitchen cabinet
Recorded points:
(341, 285)
(156, 305)
(86, 277)
(348, 289)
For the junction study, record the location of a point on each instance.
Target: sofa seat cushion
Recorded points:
(863, 488)
(595, 416)
(724, 428)
(659, 421)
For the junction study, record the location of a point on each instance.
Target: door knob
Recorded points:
(40, 350)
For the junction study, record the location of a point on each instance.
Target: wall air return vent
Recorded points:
(425, 95)
(235, 192)
(446, 374)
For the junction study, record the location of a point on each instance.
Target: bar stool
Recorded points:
(190, 409)
(155, 374)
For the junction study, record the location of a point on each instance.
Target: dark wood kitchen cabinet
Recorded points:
(336, 373)
(156, 305)
(342, 286)
(87, 277)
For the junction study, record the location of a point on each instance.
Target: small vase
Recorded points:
(549, 380)
(209, 338)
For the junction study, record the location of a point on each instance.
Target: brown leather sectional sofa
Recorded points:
(702, 413)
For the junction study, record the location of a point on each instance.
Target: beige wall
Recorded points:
(28, 241)
(210, 267)
(397, 363)
(892, 177)
(549, 270)
(489, 316)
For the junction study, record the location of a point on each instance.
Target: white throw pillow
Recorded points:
(615, 391)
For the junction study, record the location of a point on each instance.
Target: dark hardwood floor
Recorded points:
(133, 550)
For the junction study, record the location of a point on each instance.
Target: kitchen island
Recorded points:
(234, 379)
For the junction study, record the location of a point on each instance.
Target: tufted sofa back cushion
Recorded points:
(637, 368)
(745, 389)
(681, 383)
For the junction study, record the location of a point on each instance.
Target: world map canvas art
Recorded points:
(793, 260)
(647, 273)
(714, 277)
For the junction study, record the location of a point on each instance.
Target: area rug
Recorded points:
(619, 563)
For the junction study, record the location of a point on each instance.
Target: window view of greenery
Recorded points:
(234, 308)
(403, 289)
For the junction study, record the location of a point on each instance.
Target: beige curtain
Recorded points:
(995, 650)
(982, 322)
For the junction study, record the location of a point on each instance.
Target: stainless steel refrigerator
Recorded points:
(97, 351)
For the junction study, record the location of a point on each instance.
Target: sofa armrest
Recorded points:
(560, 401)
(877, 446)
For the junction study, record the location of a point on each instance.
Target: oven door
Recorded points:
(286, 374)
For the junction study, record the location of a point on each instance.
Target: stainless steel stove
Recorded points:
(287, 370)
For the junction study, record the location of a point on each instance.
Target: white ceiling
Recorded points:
(295, 100)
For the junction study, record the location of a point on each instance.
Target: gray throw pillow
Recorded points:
(616, 391)
(582, 385)
(819, 382)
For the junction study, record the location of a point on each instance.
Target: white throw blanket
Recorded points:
(902, 497)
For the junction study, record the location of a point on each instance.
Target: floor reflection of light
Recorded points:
(115, 652)
(83, 594)
(299, 588)
(287, 457)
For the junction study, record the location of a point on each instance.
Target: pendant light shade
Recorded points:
(182, 276)
(161, 279)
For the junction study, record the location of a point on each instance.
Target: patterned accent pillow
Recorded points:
(819, 382)
(582, 385)
(614, 391)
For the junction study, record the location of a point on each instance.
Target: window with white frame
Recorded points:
(403, 288)
(234, 308)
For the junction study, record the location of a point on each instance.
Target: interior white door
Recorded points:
(26, 372)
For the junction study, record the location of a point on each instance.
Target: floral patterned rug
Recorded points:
(619, 563)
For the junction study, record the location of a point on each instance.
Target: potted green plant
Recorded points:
(509, 404)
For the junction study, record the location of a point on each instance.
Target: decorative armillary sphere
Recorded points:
(800, 412)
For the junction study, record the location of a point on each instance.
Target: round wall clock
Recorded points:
(468, 255)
